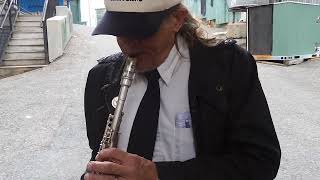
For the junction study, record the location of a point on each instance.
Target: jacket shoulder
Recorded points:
(107, 68)
(231, 46)
(233, 53)
(224, 57)
(227, 42)
(110, 59)
(108, 62)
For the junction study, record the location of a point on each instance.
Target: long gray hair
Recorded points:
(192, 32)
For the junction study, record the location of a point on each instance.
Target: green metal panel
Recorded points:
(217, 10)
(221, 11)
(211, 10)
(75, 9)
(194, 7)
(295, 31)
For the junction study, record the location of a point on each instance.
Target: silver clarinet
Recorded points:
(111, 133)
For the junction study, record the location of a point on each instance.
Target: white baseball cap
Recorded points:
(134, 18)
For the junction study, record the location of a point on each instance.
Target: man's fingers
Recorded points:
(108, 168)
(112, 154)
(91, 176)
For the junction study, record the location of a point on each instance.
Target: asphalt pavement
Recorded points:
(293, 93)
(42, 125)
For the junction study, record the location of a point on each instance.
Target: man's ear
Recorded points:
(179, 16)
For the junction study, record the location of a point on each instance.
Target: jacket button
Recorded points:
(219, 88)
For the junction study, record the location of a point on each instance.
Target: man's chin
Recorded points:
(137, 55)
(141, 68)
(144, 63)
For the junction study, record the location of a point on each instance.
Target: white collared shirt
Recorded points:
(174, 136)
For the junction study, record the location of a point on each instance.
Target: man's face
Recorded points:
(152, 51)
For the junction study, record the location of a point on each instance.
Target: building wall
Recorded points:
(100, 13)
(234, 3)
(34, 5)
(88, 11)
(298, 34)
(74, 5)
(217, 10)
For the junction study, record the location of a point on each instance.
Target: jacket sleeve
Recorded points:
(252, 149)
(95, 112)
(94, 107)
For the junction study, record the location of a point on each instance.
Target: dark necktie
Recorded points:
(145, 125)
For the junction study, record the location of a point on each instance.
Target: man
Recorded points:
(195, 110)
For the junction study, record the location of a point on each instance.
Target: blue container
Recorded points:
(35, 5)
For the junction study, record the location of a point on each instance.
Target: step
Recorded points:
(26, 42)
(22, 35)
(6, 71)
(27, 38)
(24, 56)
(25, 62)
(28, 29)
(28, 24)
(12, 49)
(29, 18)
(30, 15)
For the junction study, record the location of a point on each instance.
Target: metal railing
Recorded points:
(49, 10)
(8, 14)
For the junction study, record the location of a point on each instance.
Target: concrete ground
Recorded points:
(42, 126)
(293, 93)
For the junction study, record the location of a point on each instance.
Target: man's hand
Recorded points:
(114, 164)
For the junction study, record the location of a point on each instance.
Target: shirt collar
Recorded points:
(167, 68)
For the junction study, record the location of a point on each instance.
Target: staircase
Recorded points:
(25, 50)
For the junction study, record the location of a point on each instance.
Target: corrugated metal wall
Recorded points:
(235, 3)
(298, 34)
(217, 10)
(301, 1)
(76, 13)
(261, 30)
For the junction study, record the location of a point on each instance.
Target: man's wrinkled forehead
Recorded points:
(140, 5)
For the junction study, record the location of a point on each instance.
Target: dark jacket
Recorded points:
(233, 130)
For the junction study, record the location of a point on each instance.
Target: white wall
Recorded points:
(88, 12)
(59, 32)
